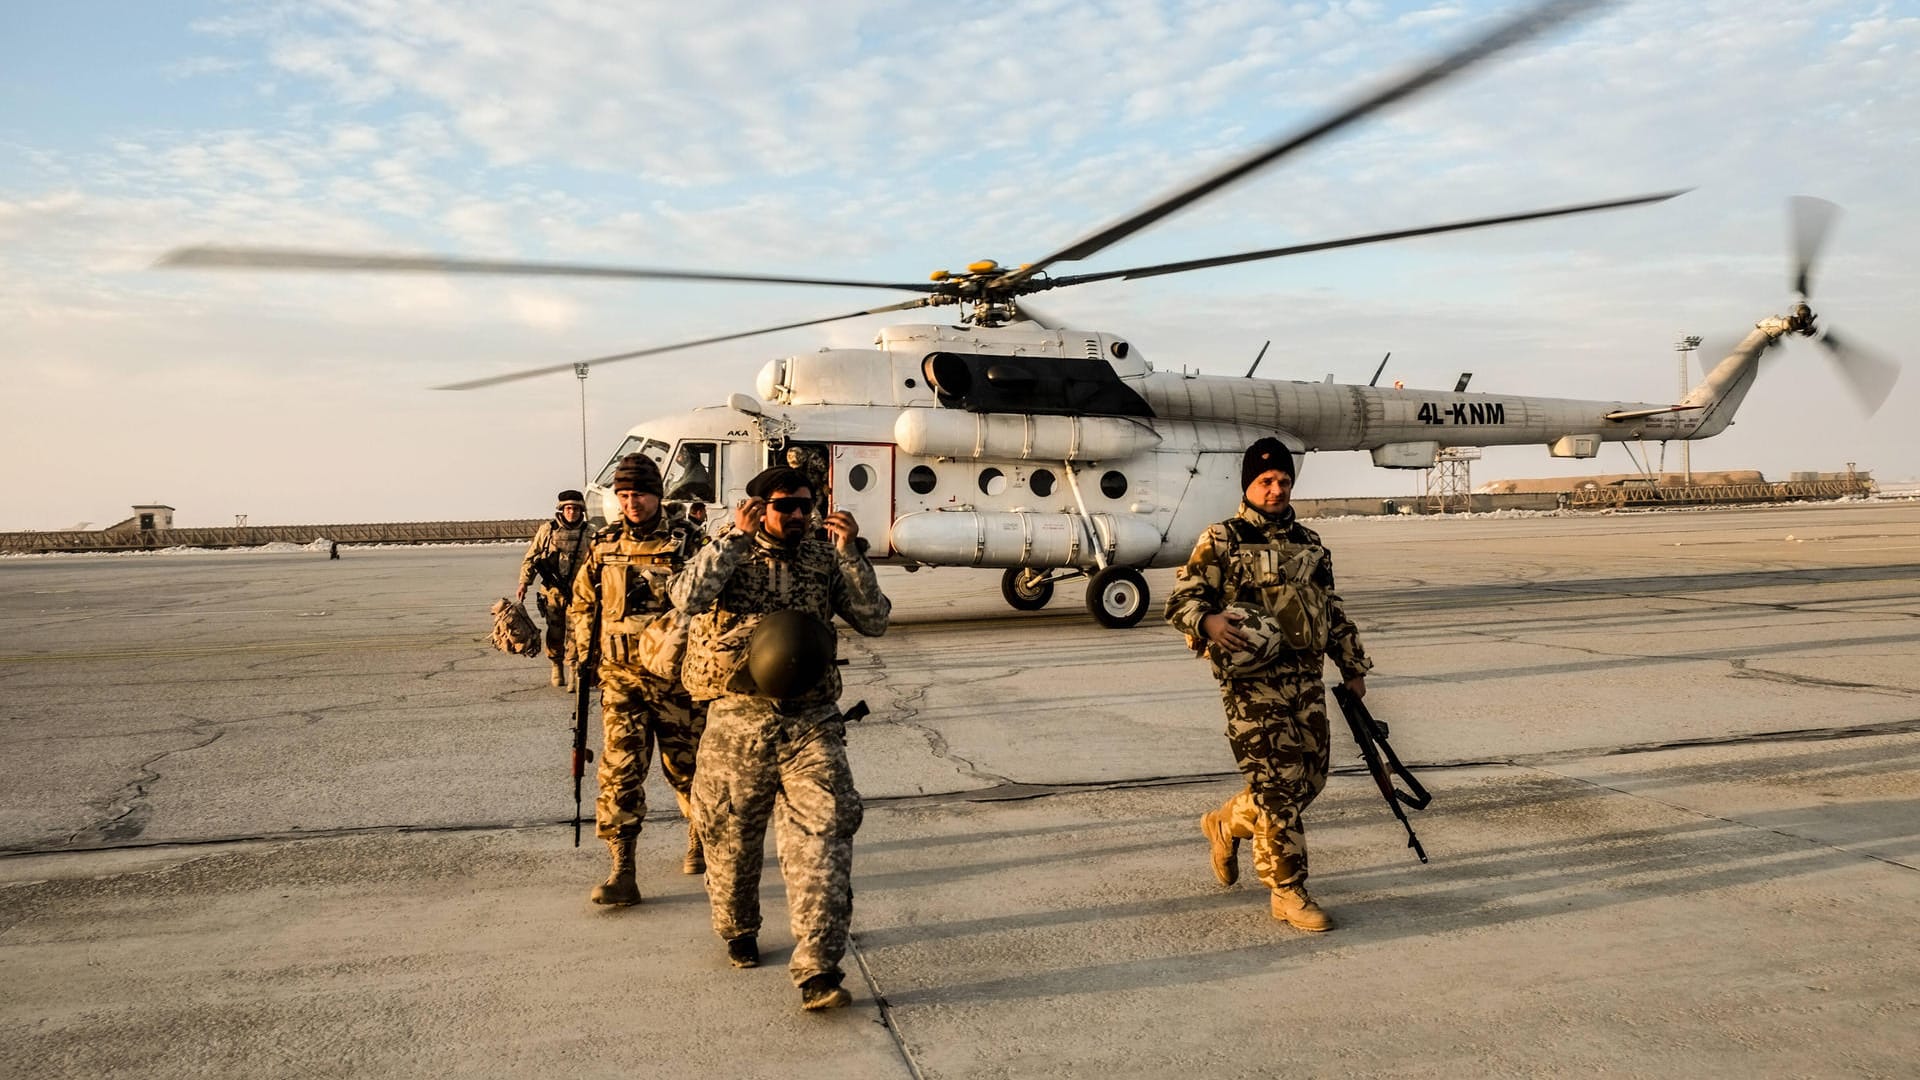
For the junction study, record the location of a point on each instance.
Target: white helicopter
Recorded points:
(1052, 453)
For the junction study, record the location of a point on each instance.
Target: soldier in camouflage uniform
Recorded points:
(782, 759)
(558, 548)
(621, 585)
(1264, 562)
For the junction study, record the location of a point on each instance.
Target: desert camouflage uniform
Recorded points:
(554, 556)
(622, 583)
(813, 464)
(785, 760)
(1276, 717)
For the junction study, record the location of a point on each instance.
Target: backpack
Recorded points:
(513, 629)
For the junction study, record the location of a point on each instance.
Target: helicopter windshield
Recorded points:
(635, 444)
(692, 474)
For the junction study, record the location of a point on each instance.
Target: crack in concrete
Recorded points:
(132, 817)
(906, 706)
(1742, 670)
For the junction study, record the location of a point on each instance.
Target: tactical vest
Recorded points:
(764, 581)
(1290, 581)
(634, 571)
(561, 557)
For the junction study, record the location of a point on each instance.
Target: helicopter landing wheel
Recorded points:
(1118, 597)
(1026, 590)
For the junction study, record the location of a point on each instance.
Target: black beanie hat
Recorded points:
(778, 478)
(637, 472)
(570, 497)
(1264, 454)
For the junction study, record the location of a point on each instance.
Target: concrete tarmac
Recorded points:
(265, 814)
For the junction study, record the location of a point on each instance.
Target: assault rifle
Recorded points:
(1383, 764)
(583, 687)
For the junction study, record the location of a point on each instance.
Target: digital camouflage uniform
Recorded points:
(1276, 716)
(553, 557)
(621, 585)
(785, 760)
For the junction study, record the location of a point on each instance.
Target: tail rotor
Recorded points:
(1868, 375)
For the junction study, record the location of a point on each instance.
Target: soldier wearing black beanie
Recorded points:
(1262, 571)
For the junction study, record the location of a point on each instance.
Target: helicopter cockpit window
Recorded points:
(652, 448)
(691, 476)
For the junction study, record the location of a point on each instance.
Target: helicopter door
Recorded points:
(862, 485)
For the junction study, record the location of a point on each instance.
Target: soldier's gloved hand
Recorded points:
(1223, 629)
(521, 595)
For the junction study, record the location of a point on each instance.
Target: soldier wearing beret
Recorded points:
(1262, 562)
(558, 548)
(621, 585)
(775, 743)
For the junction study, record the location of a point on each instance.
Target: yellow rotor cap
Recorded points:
(984, 266)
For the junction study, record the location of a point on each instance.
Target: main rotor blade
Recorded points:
(267, 258)
(1812, 221)
(1869, 376)
(530, 373)
(1527, 24)
(1355, 241)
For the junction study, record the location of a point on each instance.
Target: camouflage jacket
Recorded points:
(623, 583)
(555, 554)
(1223, 569)
(740, 577)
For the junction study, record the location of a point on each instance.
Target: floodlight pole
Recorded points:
(580, 373)
(1685, 347)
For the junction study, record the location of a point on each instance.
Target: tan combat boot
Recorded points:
(1292, 905)
(559, 677)
(1225, 846)
(696, 860)
(619, 888)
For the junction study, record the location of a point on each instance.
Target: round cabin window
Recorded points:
(1113, 484)
(860, 477)
(992, 481)
(920, 480)
(1040, 483)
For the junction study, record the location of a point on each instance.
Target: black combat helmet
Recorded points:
(789, 653)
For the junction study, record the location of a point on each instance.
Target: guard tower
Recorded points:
(152, 517)
(1448, 486)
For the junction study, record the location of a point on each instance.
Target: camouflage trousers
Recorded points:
(1277, 729)
(757, 764)
(638, 711)
(553, 609)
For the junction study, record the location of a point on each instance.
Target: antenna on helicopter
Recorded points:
(1461, 386)
(1261, 355)
(1381, 368)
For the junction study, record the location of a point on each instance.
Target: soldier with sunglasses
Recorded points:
(778, 752)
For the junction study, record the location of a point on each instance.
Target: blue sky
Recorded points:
(866, 138)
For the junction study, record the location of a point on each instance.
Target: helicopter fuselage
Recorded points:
(1105, 461)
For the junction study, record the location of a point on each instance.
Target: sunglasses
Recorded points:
(791, 504)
